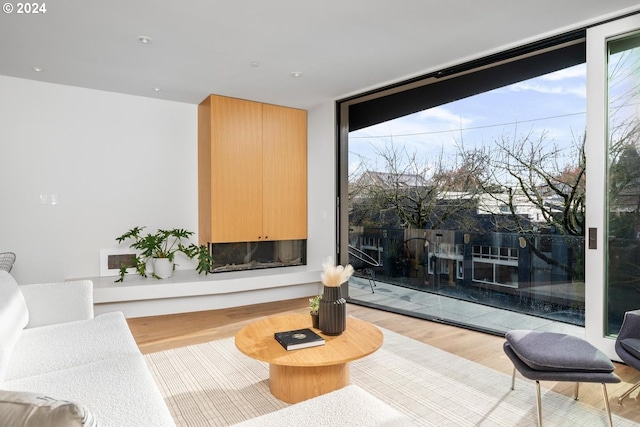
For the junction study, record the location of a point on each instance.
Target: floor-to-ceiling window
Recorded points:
(471, 183)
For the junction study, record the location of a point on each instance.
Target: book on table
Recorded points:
(298, 338)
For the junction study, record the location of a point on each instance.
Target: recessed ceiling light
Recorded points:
(37, 69)
(254, 64)
(296, 74)
(145, 40)
(157, 89)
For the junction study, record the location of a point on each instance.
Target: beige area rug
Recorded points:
(213, 384)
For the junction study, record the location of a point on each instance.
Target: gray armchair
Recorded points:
(628, 345)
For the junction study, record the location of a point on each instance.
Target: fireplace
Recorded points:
(242, 256)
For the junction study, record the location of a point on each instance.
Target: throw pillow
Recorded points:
(34, 410)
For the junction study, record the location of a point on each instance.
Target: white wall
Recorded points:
(115, 161)
(321, 153)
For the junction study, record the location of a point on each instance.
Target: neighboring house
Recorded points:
(499, 204)
(371, 182)
(368, 180)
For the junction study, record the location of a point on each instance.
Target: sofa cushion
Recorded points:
(65, 345)
(34, 410)
(119, 391)
(58, 302)
(14, 316)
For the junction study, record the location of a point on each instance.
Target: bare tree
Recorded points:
(419, 193)
(549, 178)
(542, 187)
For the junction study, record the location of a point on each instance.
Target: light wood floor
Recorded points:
(165, 332)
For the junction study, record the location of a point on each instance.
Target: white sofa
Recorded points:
(60, 365)
(349, 406)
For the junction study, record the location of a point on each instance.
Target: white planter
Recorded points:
(162, 267)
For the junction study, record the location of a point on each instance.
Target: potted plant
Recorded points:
(161, 247)
(314, 307)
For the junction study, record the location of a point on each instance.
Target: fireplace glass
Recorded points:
(241, 256)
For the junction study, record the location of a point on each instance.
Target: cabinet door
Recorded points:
(285, 173)
(236, 170)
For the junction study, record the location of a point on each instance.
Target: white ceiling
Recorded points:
(341, 47)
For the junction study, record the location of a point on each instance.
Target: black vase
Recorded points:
(333, 311)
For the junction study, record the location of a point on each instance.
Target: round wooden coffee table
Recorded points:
(298, 375)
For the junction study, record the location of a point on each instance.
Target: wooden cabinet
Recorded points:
(252, 171)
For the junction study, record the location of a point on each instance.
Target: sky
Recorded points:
(555, 103)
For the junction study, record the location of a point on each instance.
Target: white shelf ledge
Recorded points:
(189, 291)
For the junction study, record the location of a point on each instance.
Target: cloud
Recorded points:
(577, 90)
(545, 84)
(428, 133)
(567, 73)
(441, 114)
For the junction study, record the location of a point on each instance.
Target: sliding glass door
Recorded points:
(479, 201)
(487, 186)
(613, 182)
(463, 195)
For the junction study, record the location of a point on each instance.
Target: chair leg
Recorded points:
(538, 398)
(628, 392)
(577, 390)
(539, 403)
(369, 274)
(606, 404)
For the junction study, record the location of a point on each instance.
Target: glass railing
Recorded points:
(539, 274)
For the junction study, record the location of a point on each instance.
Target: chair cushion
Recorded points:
(550, 351)
(34, 410)
(632, 345)
(13, 318)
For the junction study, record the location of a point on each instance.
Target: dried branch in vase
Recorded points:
(333, 275)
